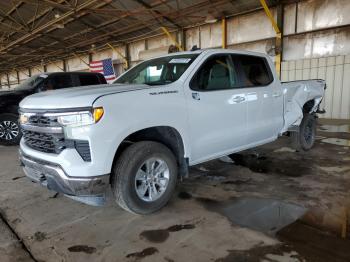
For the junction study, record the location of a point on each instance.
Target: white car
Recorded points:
(141, 133)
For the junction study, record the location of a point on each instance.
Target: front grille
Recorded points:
(53, 143)
(41, 120)
(48, 143)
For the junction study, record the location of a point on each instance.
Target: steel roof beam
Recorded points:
(149, 7)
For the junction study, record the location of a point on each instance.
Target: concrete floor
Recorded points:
(208, 219)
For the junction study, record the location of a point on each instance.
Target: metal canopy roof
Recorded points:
(40, 31)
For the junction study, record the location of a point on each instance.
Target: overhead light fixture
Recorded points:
(59, 26)
(210, 18)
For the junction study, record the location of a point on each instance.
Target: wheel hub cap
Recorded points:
(8, 130)
(151, 180)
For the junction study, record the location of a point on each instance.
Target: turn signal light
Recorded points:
(98, 113)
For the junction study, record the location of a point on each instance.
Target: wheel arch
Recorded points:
(167, 135)
(311, 105)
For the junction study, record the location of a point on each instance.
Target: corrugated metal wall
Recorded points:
(335, 70)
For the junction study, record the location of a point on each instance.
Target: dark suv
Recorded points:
(10, 133)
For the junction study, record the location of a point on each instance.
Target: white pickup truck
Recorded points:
(141, 133)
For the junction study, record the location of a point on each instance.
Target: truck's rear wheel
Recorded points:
(144, 177)
(10, 133)
(305, 138)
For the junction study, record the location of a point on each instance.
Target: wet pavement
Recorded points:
(267, 204)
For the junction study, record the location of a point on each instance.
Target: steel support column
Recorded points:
(276, 26)
(8, 80)
(127, 55)
(166, 31)
(224, 32)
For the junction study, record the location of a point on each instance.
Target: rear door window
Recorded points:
(88, 79)
(59, 82)
(255, 70)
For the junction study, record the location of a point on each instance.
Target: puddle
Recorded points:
(265, 165)
(281, 253)
(335, 129)
(337, 141)
(264, 215)
(184, 195)
(40, 236)
(144, 253)
(300, 241)
(237, 182)
(18, 177)
(314, 244)
(160, 235)
(82, 248)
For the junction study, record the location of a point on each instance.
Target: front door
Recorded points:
(217, 109)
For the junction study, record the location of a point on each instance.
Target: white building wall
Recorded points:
(23, 75)
(55, 67)
(78, 64)
(335, 70)
(250, 27)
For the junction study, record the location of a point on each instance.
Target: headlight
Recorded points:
(82, 118)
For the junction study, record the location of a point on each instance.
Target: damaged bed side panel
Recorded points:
(296, 95)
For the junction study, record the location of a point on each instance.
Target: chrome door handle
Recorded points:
(276, 94)
(238, 99)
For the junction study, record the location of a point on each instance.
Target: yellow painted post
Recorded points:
(224, 32)
(278, 42)
(270, 16)
(120, 54)
(172, 38)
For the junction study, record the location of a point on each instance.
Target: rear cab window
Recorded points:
(88, 79)
(59, 81)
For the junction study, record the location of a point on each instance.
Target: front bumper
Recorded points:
(55, 178)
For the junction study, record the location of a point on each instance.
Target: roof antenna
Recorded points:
(194, 48)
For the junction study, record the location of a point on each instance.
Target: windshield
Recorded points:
(30, 82)
(158, 71)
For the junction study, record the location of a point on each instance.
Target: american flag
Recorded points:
(104, 67)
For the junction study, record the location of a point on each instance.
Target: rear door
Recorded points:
(263, 95)
(216, 108)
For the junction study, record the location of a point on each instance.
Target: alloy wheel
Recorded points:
(152, 179)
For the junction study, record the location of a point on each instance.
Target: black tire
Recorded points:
(6, 138)
(124, 173)
(304, 139)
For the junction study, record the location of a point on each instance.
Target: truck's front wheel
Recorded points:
(144, 177)
(304, 139)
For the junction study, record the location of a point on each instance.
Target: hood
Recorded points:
(12, 97)
(74, 97)
(14, 92)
